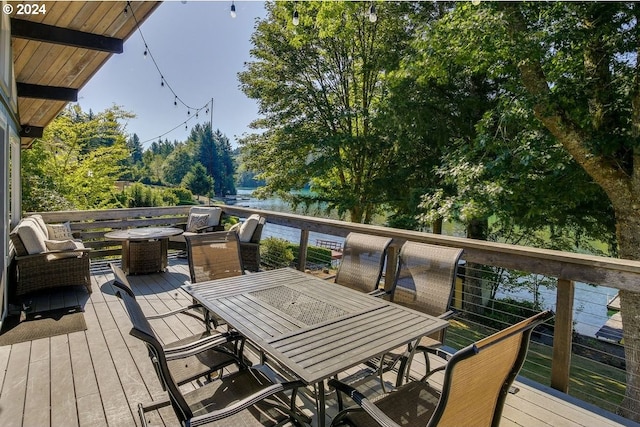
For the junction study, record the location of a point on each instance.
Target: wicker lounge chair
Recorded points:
(49, 269)
(476, 383)
(250, 249)
(213, 256)
(425, 281)
(201, 219)
(208, 360)
(363, 259)
(244, 398)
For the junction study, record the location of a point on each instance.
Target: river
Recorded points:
(590, 302)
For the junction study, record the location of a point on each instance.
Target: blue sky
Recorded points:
(199, 49)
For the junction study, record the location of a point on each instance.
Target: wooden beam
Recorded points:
(56, 93)
(58, 35)
(28, 131)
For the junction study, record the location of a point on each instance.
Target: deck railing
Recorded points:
(486, 265)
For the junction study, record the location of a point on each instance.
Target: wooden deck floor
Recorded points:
(98, 376)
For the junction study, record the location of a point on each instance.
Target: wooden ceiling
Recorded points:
(56, 53)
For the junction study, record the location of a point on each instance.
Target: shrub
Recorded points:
(319, 257)
(275, 253)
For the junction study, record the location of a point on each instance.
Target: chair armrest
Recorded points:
(378, 293)
(176, 311)
(380, 417)
(43, 255)
(246, 402)
(213, 342)
(447, 315)
(209, 228)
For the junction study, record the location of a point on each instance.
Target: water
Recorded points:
(590, 302)
(278, 205)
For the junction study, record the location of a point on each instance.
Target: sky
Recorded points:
(199, 50)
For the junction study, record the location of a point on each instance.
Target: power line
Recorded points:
(164, 82)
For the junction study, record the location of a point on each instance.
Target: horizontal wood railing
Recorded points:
(566, 267)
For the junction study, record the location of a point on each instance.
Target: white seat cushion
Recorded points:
(214, 214)
(248, 227)
(41, 224)
(31, 236)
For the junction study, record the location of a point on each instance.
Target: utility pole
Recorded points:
(213, 147)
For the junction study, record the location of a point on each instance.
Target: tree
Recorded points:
(214, 151)
(62, 162)
(320, 86)
(135, 148)
(197, 180)
(177, 164)
(575, 68)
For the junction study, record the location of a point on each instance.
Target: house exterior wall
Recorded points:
(9, 156)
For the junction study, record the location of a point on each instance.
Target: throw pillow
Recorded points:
(63, 245)
(60, 231)
(196, 222)
(248, 227)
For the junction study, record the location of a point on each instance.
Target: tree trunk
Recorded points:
(437, 226)
(628, 233)
(472, 289)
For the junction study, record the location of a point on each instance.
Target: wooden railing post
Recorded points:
(562, 336)
(392, 265)
(302, 254)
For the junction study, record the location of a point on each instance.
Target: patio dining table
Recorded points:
(310, 327)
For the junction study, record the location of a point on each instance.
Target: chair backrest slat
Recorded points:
(213, 255)
(363, 259)
(478, 377)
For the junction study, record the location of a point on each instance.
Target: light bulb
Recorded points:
(233, 10)
(296, 18)
(372, 14)
(475, 2)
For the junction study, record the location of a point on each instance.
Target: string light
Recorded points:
(233, 10)
(373, 17)
(164, 82)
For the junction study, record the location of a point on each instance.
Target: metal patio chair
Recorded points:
(207, 361)
(476, 383)
(363, 259)
(244, 398)
(214, 256)
(425, 281)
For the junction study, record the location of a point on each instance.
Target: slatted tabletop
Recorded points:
(314, 328)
